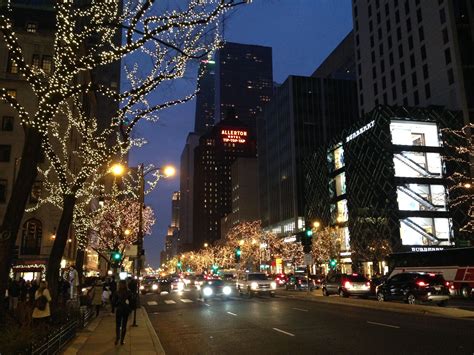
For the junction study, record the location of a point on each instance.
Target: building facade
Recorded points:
(415, 53)
(383, 184)
(186, 211)
(205, 108)
(217, 150)
(244, 178)
(244, 81)
(304, 113)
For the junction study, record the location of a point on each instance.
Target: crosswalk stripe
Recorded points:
(170, 302)
(152, 303)
(186, 300)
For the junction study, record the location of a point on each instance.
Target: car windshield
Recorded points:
(258, 277)
(215, 282)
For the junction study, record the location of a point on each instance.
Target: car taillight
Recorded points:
(319, 280)
(422, 284)
(347, 284)
(299, 281)
(367, 283)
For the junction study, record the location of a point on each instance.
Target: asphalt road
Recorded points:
(264, 325)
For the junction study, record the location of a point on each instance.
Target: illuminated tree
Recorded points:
(459, 157)
(116, 226)
(88, 37)
(326, 245)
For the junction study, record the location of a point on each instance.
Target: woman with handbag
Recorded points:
(41, 310)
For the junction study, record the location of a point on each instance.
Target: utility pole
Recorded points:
(138, 261)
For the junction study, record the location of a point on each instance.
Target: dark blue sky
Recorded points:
(301, 32)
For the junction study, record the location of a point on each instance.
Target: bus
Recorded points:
(456, 265)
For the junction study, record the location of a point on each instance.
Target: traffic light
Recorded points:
(332, 263)
(215, 268)
(116, 257)
(307, 239)
(238, 253)
(178, 264)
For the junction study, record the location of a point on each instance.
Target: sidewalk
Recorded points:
(99, 337)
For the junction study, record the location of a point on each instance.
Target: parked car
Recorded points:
(317, 280)
(412, 287)
(299, 283)
(255, 283)
(281, 279)
(215, 288)
(346, 285)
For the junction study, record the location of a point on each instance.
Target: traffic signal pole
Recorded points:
(141, 197)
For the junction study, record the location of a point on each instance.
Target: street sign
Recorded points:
(308, 259)
(131, 251)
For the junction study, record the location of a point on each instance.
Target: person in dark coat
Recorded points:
(113, 289)
(122, 299)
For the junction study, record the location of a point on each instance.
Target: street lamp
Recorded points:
(316, 224)
(206, 245)
(117, 169)
(127, 232)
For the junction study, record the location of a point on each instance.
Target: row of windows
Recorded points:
(34, 195)
(45, 62)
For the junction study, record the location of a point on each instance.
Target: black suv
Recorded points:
(415, 286)
(299, 283)
(346, 285)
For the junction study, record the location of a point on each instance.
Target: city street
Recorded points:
(263, 325)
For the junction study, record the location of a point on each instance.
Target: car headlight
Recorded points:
(226, 290)
(180, 286)
(142, 287)
(254, 285)
(154, 287)
(207, 291)
(273, 285)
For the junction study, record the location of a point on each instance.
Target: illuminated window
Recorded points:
(31, 27)
(47, 64)
(31, 237)
(12, 66)
(36, 192)
(12, 93)
(35, 61)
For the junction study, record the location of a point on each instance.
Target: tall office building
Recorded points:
(244, 81)
(415, 53)
(217, 150)
(186, 183)
(304, 114)
(204, 116)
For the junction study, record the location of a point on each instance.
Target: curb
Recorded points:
(154, 337)
(453, 313)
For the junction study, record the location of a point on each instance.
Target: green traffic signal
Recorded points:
(178, 264)
(215, 267)
(332, 263)
(238, 252)
(116, 255)
(309, 232)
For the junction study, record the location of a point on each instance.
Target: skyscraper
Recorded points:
(204, 117)
(415, 53)
(304, 114)
(187, 192)
(244, 81)
(217, 150)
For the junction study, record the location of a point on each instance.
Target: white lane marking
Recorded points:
(207, 304)
(282, 331)
(384, 325)
(152, 303)
(170, 302)
(186, 300)
(300, 309)
(232, 314)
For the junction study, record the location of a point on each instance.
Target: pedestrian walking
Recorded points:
(122, 300)
(41, 310)
(95, 295)
(113, 289)
(13, 294)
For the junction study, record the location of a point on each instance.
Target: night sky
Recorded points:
(302, 34)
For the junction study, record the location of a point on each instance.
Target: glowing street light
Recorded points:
(206, 245)
(316, 224)
(127, 232)
(117, 169)
(241, 242)
(169, 171)
(467, 185)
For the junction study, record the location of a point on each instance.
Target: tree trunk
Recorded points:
(57, 251)
(22, 186)
(80, 264)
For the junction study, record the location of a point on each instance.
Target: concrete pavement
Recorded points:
(99, 337)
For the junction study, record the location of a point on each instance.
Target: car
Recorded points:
(299, 283)
(251, 283)
(346, 285)
(281, 279)
(215, 288)
(413, 287)
(149, 285)
(317, 280)
(164, 285)
(177, 284)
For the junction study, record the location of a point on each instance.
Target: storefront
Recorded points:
(29, 269)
